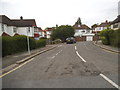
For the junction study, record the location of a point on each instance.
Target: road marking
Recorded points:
(86, 47)
(16, 68)
(110, 81)
(75, 48)
(80, 56)
(53, 57)
(56, 53)
(103, 76)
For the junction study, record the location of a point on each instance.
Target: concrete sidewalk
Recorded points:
(107, 47)
(12, 59)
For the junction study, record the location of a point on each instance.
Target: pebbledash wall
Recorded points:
(12, 30)
(28, 31)
(6, 29)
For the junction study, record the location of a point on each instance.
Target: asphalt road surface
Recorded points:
(80, 65)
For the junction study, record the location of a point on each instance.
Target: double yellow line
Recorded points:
(16, 68)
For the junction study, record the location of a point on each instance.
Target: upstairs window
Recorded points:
(28, 29)
(3, 28)
(35, 30)
(115, 26)
(14, 29)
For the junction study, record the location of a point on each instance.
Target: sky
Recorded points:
(48, 13)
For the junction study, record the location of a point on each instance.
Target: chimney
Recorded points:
(106, 21)
(21, 18)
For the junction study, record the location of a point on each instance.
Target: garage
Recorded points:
(89, 38)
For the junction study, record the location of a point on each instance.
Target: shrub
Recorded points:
(110, 37)
(15, 44)
(7, 46)
(40, 43)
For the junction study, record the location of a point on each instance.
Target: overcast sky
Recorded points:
(48, 13)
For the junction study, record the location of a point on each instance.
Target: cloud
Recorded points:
(48, 13)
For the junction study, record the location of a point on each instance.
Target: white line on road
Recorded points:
(80, 56)
(110, 81)
(75, 48)
(86, 47)
(53, 57)
(103, 76)
(16, 68)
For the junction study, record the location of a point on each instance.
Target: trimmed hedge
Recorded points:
(110, 37)
(15, 44)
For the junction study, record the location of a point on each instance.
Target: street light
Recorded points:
(96, 37)
(28, 40)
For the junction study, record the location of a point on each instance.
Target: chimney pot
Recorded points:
(21, 18)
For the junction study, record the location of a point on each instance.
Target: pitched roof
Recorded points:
(17, 22)
(83, 26)
(24, 22)
(49, 29)
(116, 20)
(104, 24)
(5, 20)
(5, 34)
(16, 34)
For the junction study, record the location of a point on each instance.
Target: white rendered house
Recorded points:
(20, 26)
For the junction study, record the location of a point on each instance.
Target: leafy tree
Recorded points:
(62, 32)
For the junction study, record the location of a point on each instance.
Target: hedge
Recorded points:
(15, 44)
(110, 37)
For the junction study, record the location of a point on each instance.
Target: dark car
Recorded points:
(70, 40)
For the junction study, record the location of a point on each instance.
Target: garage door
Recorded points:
(89, 38)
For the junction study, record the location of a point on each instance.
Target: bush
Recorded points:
(110, 37)
(40, 43)
(15, 44)
(57, 41)
(8, 46)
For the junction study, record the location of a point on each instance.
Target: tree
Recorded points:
(95, 25)
(78, 22)
(63, 32)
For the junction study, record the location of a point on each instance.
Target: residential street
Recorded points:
(80, 65)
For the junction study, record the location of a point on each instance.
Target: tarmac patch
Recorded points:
(81, 69)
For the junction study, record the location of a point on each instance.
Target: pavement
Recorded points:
(107, 47)
(80, 65)
(11, 61)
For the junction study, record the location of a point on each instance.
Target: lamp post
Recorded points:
(96, 37)
(28, 40)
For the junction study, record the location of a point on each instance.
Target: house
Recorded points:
(82, 32)
(102, 26)
(6, 26)
(20, 26)
(41, 32)
(116, 23)
(48, 32)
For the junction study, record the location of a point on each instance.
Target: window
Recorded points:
(3, 27)
(76, 31)
(35, 30)
(28, 29)
(115, 26)
(14, 29)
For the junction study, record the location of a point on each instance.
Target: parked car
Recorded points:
(70, 40)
